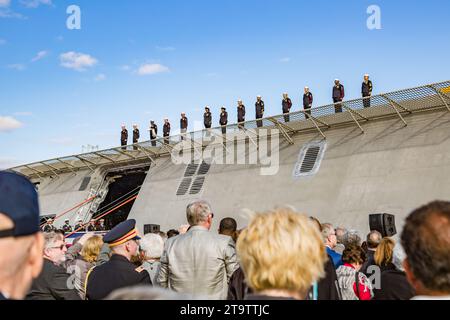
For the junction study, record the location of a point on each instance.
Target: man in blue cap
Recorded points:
(119, 271)
(21, 242)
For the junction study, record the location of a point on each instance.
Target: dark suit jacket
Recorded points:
(393, 286)
(115, 274)
(370, 260)
(52, 284)
(328, 287)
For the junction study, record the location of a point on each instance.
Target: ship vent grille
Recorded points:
(310, 159)
(84, 183)
(191, 169)
(197, 185)
(194, 178)
(184, 186)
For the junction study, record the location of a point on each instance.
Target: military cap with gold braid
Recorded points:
(123, 232)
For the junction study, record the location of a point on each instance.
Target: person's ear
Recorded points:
(35, 258)
(409, 275)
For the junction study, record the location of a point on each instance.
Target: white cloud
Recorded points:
(9, 124)
(77, 61)
(5, 3)
(100, 77)
(60, 38)
(2, 41)
(285, 60)
(125, 68)
(148, 69)
(40, 55)
(35, 3)
(8, 13)
(17, 66)
(165, 48)
(23, 114)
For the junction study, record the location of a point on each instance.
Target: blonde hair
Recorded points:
(281, 249)
(385, 251)
(91, 249)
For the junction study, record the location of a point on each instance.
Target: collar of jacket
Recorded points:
(198, 228)
(118, 257)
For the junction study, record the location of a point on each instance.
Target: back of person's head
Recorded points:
(172, 233)
(91, 249)
(373, 239)
(426, 241)
(383, 255)
(281, 250)
(351, 238)
(163, 235)
(398, 257)
(353, 254)
(152, 246)
(340, 232)
(227, 226)
(197, 212)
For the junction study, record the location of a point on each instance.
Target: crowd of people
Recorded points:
(280, 254)
(338, 94)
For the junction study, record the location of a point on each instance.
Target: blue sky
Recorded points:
(137, 60)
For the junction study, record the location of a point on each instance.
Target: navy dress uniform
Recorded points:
(118, 272)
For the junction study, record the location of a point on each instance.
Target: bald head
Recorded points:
(373, 239)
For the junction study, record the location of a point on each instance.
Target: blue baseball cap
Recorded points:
(19, 202)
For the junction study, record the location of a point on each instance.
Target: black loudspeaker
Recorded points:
(151, 228)
(383, 223)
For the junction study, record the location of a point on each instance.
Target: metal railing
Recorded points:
(356, 112)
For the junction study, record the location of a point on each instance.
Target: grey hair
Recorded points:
(197, 212)
(339, 235)
(351, 237)
(327, 229)
(398, 256)
(50, 238)
(373, 239)
(153, 245)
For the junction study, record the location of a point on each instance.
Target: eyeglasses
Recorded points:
(61, 247)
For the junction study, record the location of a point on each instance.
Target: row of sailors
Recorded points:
(93, 225)
(338, 95)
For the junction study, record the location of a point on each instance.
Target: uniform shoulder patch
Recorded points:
(139, 269)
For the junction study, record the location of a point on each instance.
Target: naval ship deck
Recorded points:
(388, 105)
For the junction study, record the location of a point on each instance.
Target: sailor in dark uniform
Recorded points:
(223, 121)
(166, 130)
(124, 137)
(240, 114)
(119, 271)
(79, 226)
(307, 102)
(67, 228)
(49, 227)
(153, 133)
(259, 106)
(286, 106)
(136, 136)
(366, 91)
(207, 118)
